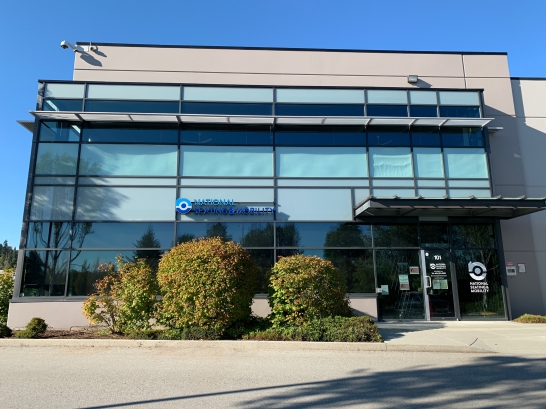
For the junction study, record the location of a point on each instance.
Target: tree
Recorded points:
(8, 256)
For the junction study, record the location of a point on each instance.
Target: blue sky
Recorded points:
(31, 31)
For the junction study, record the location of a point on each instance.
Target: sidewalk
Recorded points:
(502, 337)
(507, 338)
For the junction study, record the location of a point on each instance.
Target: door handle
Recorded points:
(429, 282)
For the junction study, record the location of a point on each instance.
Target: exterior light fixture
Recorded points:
(412, 79)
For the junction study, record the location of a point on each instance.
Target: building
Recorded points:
(418, 174)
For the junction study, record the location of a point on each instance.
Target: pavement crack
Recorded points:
(473, 342)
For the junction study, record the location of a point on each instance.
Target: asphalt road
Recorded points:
(96, 377)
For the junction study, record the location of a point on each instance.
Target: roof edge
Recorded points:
(529, 78)
(291, 49)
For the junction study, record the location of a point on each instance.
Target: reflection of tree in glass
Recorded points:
(218, 230)
(264, 263)
(82, 280)
(473, 235)
(395, 235)
(34, 274)
(148, 241)
(259, 237)
(54, 164)
(88, 168)
(355, 264)
(184, 237)
(288, 235)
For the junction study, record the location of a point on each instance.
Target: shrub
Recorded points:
(206, 283)
(5, 332)
(329, 329)
(304, 288)
(6, 291)
(125, 299)
(188, 334)
(35, 327)
(531, 319)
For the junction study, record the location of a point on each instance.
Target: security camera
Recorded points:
(75, 48)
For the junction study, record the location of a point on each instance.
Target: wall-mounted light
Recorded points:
(412, 79)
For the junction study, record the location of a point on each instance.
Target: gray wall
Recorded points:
(528, 242)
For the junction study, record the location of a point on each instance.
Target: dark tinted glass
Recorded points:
(460, 112)
(44, 273)
(318, 110)
(462, 136)
(323, 235)
(214, 108)
(434, 235)
(123, 235)
(356, 266)
(425, 136)
(62, 105)
(247, 234)
(98, 132)
(239, 135)
(473, 301)
(46, 234)
(472, 235)
(423, 110)
(320, 136)
(159, 107)
(388, 136)
(59, 131)
(86, 267)
(395, 235)
(264, 260)
(386, 110)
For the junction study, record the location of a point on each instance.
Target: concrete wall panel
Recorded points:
(265, 79)
(530, 97)
(486, 65)
(525, 289)
(532, 137)
(497, 95)
(57, 315)
(269, 61)
(506, 157)
(517, 234)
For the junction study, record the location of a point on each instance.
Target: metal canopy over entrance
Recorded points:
(494, 207)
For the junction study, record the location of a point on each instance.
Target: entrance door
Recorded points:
(400, 285)
(438, 294)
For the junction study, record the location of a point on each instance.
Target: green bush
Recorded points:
(531, 319)
(329, 329)
(125, 299)
(304, 288)
(186, 334)
(206, 283)
(5, 332)
(35, 327)
(6, 291)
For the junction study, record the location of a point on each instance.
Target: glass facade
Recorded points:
(107, 188)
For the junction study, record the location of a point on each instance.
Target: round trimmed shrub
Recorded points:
(304, 288)
(206, 283)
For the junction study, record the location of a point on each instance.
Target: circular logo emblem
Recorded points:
(183, 205)
(432, 266)
(477, 270)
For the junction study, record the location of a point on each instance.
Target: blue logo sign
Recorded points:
(183, 205)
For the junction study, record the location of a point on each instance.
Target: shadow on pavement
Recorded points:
(393, 330)
(492, 381)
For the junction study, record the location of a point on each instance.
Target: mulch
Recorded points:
(79, 334)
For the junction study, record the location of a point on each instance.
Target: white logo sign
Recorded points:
(477, 270)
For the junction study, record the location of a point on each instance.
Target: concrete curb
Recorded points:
(238, 346)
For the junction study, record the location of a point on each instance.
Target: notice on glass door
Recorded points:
(414, 270)
(404, 282)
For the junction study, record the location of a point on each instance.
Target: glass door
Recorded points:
(438, 294)
(399, 285)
